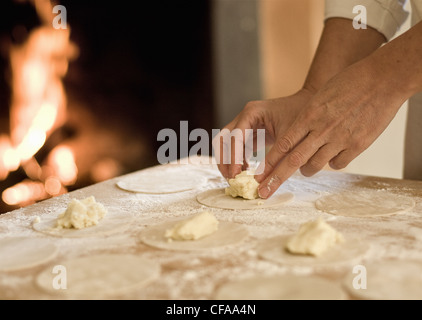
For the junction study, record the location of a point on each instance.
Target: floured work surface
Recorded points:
(199, 274)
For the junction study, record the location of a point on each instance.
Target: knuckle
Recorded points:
(296, 159)
(237, 135)
(216, 141)
(252, 105)
(314, 165)
(270, 165)
(317, 138)
(318, 110)
(220, 138)
(284, 144)
(359, 144)
(338, 164)
(307, 171)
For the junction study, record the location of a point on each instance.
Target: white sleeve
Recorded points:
(386, 16)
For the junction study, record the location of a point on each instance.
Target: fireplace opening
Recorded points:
(130, 71)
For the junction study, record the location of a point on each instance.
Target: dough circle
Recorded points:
(388, 280)
(285, 287)
(228, 233)
(110, 224)
(348, 252)
(23, 253)
(101, 275)
(217, 198)
(368, 203)
(162, 182)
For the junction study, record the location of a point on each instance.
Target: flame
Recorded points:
(9, 160)
(53, 186)
(62, 162)
(38, 106)
(24, 192)
(37, 133)
(39, 101)
(105, 169)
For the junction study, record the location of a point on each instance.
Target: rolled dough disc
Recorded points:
(217, 198)
(348, 252)
(162, 182)
(388, 280)
(228, 233)
(110, 224)
(23, 253)
(368, 203)
(101, 275)
(285, 287)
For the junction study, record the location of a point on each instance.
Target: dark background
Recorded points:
(142, 67)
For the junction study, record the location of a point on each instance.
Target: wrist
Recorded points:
(392, 78)
(307, 91)
(398, 64)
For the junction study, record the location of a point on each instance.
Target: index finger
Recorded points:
(295, 159)
(229, 149)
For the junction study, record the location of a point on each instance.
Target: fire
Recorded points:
(53, 186)
(36, 135)
(24, 192)
(9, 160)
(38, 102)
(62, 161)
(38, 107)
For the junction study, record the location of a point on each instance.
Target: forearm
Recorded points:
(340, 46)
(399, 64)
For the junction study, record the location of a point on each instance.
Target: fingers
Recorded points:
(356, 146)
(280, 149)
(251, 142)
(218, 149)
(228, 148)
(343, 159)
(235, 143)
(317, 162)
(255, 142)
(310, 155)
(291, 162)
(236, 152)
(245, 165)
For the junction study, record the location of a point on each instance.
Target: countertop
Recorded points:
(197, 275)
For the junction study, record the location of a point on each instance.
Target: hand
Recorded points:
(341, 120)
(275, 116)
(351, 109)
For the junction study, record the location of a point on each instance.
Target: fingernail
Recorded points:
(263, 192)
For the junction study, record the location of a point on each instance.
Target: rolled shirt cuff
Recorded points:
(386, 16)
